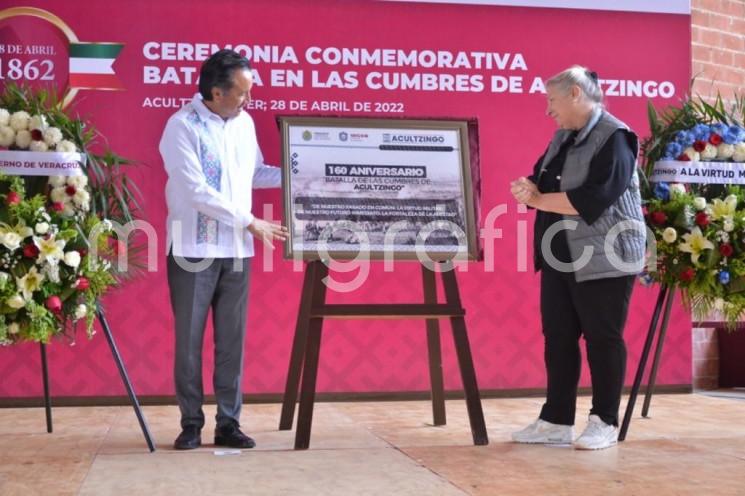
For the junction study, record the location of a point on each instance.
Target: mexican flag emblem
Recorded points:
(91, 66)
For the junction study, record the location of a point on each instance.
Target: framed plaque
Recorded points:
(377, 188)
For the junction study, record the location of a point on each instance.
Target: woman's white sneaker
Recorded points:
(542, 432)
(597, 435)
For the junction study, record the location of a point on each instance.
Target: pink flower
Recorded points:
(54, 304)
(82, 284)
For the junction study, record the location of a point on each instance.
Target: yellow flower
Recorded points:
(724, 209)
(30, 282)
(694, 243)
(13, 236)
(50, 250)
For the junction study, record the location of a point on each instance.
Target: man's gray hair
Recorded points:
(582, 77)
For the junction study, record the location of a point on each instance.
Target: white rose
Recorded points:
(58, 195)
(725, 151)
(728, 225)
(81, 311)
(72, 258)
(52, 136)
(68, 211)
(66, 146)
(38, 122)
(699, 203)
(670, 235)
(709, 152)
(678, 189)
(692, 154)
(12, 241)
(42, 228)
(23, 139)
(19, 121)
(16, 301)
(78, 181)
(731, 199)
(38, 146)
(739, 155)
(81, 197)
(7, 136)
(57, 181)
(4, 117)
(14, 328)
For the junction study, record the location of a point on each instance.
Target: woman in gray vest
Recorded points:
(589, 243)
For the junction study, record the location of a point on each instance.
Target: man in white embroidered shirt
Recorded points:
(213, 160)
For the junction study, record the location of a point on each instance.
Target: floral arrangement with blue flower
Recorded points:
(699, 229)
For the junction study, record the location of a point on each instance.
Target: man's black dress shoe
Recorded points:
(190, 438)
(230, 435)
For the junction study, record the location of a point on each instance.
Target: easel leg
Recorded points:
(434, 351)
(298, 348)
(310, 368)
(125, 379)
(465, 360)
(45, 379)
(656, 362)
(643, 362)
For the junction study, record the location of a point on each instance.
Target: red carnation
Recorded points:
(715, 139)
(659, 217)
(54, 304)
(702, 219)
(699, 146)
(726, 250)
(683, 157)
(36, 135)
(58, 206)
(13, 198)
(83, 252)
(70, 190)
(82, 284)
(30, 251)
(687, 275)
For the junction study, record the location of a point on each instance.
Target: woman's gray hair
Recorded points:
(580, 76)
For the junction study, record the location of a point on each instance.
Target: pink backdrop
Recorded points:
(502, 306)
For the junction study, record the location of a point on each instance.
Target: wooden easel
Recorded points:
(307, 343)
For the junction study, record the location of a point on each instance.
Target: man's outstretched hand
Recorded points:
(268, 232)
